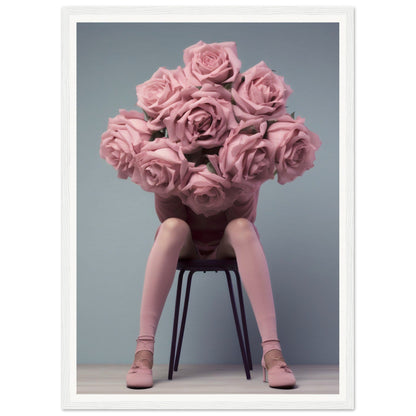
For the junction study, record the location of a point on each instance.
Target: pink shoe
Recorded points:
(279, 374)
(140, 377)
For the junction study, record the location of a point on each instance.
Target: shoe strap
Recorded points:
(271, 344)
(279, 366)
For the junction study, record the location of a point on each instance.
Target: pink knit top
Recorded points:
(206, 231)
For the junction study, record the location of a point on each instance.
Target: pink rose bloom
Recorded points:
(160, 167)
(207, 193)
(160, 92)
(246, 158)
(260, 92)
(294, 147)
(124, 137)
(202, 121)
(215, 62)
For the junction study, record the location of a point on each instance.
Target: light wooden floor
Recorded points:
(210, 379)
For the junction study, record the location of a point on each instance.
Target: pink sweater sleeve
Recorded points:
(169, 207)
(173, 207)
(244, 208)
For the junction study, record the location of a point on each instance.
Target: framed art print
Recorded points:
(306, 228)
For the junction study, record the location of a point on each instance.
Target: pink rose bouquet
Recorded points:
(209, 133)
(207, 193)
(204, 120)
(245, 157)
(215, 62)
(123, 139)
(294, 147)
(160, 167)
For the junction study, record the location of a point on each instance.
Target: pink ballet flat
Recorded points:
(279, 375)
(140, 377)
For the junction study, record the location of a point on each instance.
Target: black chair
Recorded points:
(193, 266)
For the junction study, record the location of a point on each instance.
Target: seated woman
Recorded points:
(184, 234)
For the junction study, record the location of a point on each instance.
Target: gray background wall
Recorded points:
(298, 222)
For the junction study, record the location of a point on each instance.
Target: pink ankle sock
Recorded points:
(145, 343)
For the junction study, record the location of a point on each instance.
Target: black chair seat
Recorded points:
(207, 265)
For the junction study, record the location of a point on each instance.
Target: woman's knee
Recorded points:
(241, 230)
(175, 228)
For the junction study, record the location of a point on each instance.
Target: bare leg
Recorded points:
(240, 240)
(174, 240)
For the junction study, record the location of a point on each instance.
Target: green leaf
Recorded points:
(146, 117)
(233, 101)
(292, 115)
(249, 130)
(211, 168)
(157, 135)
(228, 85)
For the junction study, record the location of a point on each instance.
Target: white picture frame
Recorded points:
(342, 15)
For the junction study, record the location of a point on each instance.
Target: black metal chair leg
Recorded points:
(175, 324)
(243, 319)
(183, 321)
(237, 325)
